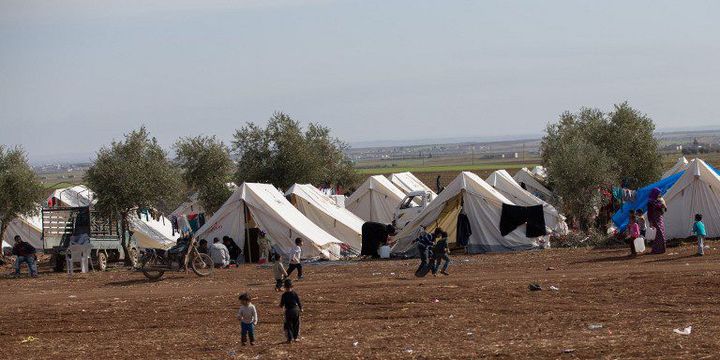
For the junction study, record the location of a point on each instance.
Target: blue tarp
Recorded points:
(622, 216)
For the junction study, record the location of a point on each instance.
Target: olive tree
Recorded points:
(131, 174)
(21, 188)
(283, 153)
(207, 168)
(588, 151)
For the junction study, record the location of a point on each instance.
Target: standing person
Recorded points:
(424, 242)
(264, 246)
(700, 233)
(656, 217)
(248, 319)
(219, 254)
(279, 272)
(24, 253)
(441, 252)
(293, 307)
(633, 232)
(640, 219)
(295, 256)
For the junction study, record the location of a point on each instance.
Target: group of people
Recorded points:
(656, 209)
(222, 253)
(433, 250)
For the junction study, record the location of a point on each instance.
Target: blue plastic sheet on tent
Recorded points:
(622, 216)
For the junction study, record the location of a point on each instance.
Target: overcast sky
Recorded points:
(76, 74)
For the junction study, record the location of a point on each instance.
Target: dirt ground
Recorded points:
(378, 309)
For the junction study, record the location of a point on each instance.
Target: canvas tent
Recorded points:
(679, 166)
(75, 196)
(269, 210)
(28, 227)
(322, 210)
(407, 183)
(483, 206)
(506, 185)
(540, 172)
(697, 191)
(375, 200)
(533, 185)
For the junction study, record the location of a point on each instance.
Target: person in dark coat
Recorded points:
(290, 301)
(24, 253)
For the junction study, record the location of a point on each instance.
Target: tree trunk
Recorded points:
(124, 240)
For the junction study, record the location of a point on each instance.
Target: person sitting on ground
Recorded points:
(640, 219)
(633, 232)
(233, 249)
(278, 272)
(203, 246)
(700, 233)
(441, 252)
(248, 319)
(424, 242)
(24, 253)
(290, 301)
(219, 254)
(295, 256)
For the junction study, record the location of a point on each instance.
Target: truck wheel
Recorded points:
(59, 263)
(102, 261)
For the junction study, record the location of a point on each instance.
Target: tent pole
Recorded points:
(247, 233)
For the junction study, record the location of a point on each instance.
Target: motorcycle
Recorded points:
(154, 263)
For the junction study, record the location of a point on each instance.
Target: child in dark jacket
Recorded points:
(290, 301)
(441, 252)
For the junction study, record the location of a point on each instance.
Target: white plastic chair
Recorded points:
(78, 254)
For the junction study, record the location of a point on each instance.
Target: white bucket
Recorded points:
(639, 245)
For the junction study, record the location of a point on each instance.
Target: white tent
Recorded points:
(75, 196)
(322, 210)
(696, 192)
(268, 208)
(506, 185)
(680, 165)
(533, 185)
(28, 227)
(375, 200)
(540, 172)
(339, 200)
(483, 206)
(407, 183)
(151, 233)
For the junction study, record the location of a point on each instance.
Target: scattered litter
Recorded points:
(567, 351)
(376, 274)
(688, 264)
(392, 273)
(409, 351)
(550, 268)
(534, 287)
(355, 344)
(72, 296)
(685, 331)
(595, 326)
(469, 334)
(671, 254)
(466, 260)
(232, 353)
(28, 339)
(436, 301)
(452, 316)
(554, 288)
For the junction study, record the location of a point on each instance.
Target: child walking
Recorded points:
(248, 319)
(441, 252)
(290, 301)
(699, 231)
(640, 219)
(295, 259)
(633, 232)
(278, 272)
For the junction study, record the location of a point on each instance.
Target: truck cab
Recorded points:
(60, 225)
(410, 207)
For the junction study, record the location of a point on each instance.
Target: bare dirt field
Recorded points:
(379, 310)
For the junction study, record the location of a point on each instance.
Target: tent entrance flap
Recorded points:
(447, 220)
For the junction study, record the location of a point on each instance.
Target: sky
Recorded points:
(76, 74)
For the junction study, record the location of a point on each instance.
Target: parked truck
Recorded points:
(410, 207)
(63, 224)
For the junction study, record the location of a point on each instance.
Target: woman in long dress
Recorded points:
(656, 212)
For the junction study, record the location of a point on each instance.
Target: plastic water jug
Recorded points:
(639, 245)
(384, 252)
